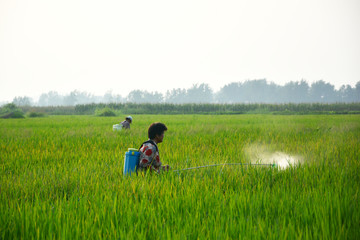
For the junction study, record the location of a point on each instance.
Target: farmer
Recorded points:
(126, 123)
(149, 152)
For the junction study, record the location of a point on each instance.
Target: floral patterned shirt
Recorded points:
(149, 158)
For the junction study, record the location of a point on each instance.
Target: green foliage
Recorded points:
(51, 110)
(35, 114)
(61, 178)
(105, 112)
(11, 111)
(16, 114)
(166, 108)
(10, 107)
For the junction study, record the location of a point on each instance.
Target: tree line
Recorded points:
(248, 92)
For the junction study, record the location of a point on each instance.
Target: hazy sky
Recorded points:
(97, 46)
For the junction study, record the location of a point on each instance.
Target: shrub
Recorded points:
(11, 111)
(16, 114)
(36, 114)
(105, 112)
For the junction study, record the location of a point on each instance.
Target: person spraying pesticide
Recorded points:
(126, 123)
(149, 153)
(147, 158)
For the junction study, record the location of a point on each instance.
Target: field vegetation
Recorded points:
(61, 177)
(11, 111)
(199, 108)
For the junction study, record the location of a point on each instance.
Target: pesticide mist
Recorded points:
(259, 153)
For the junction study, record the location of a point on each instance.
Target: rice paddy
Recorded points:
(61, 178)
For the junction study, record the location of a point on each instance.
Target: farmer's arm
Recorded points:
(158, 165)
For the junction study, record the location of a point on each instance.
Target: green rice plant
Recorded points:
(61, 177)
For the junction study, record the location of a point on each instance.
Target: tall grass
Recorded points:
(201, 108)
(61, 177)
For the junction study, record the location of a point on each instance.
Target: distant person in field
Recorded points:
(126, 123)
(149, 152)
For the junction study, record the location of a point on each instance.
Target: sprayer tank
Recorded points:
(131, 161)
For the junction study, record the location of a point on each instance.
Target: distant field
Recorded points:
(61, 177)
(199, 108)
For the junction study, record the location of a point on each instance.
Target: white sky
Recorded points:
(97, 46)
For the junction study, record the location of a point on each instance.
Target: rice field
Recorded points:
(61, 178)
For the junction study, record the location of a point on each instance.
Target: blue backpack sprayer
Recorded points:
(131, 161)
(132, 157)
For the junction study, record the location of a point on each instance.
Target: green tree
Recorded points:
(199, 94)
(321, 91)
(22, 101)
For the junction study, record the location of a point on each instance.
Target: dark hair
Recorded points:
(156, 129)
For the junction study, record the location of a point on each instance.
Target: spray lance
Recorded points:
(226, 164)
(132, 160)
